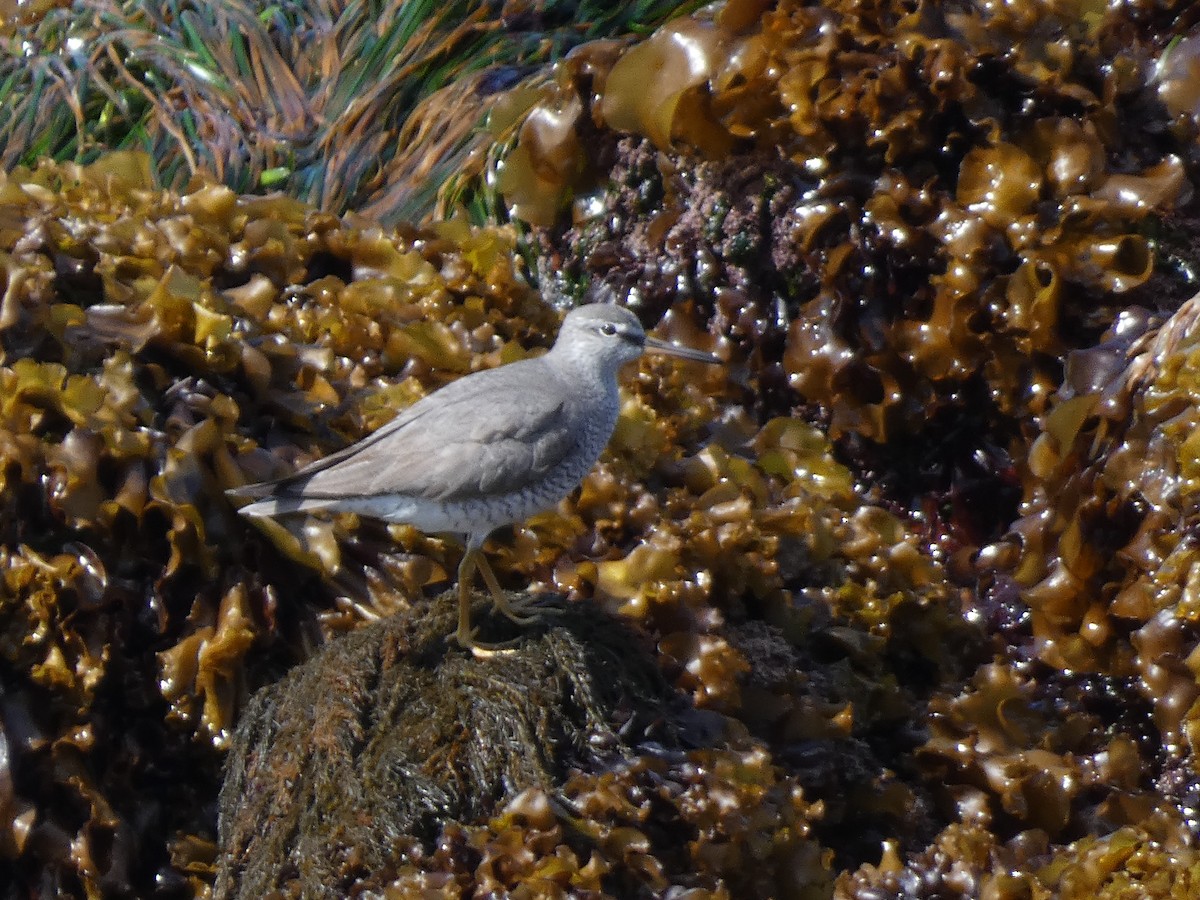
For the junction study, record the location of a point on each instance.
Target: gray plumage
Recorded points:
(491, 448)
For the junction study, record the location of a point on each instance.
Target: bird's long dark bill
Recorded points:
(656, 346)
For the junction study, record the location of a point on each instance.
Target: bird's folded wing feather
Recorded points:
(486, 435)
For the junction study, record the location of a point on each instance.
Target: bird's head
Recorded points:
(611, 336)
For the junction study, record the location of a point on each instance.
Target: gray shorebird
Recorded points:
(487, 450)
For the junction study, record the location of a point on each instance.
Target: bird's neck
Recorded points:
(591, 378)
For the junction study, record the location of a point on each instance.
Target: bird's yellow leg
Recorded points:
(520, 612)
(466, 569)
(465, 635)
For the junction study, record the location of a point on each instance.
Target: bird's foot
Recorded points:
(525, 611)
(481, 650)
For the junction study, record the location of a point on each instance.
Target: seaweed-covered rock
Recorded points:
(386, 733)
(903, 215)
(921, 554)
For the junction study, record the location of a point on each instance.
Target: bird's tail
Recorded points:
(274, 505)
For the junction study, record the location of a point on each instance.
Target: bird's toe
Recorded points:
(480, 650)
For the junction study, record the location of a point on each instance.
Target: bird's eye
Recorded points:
(608, 328)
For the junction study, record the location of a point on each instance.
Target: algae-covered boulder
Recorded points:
(348, 770)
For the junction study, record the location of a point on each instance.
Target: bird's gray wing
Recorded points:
(486, 434)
